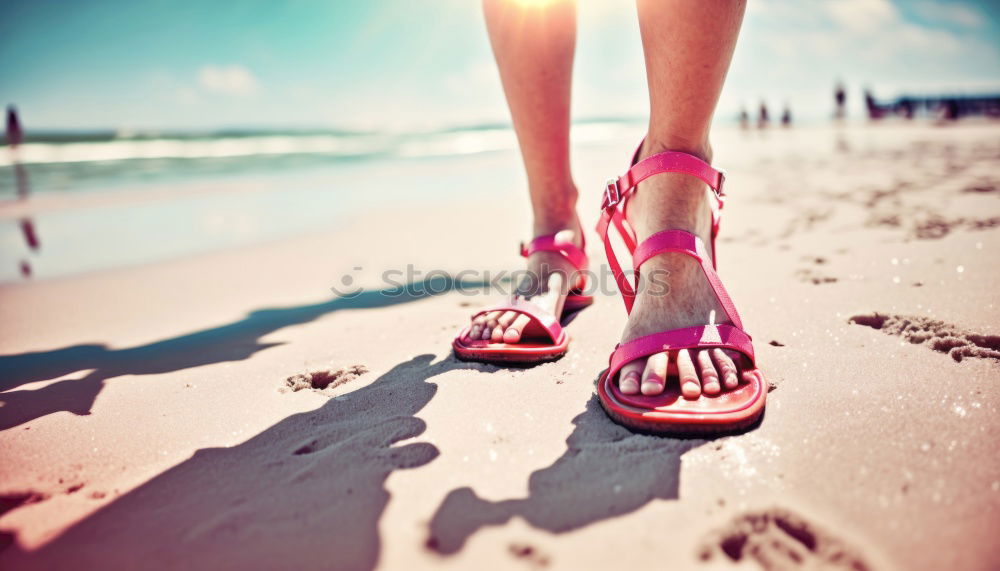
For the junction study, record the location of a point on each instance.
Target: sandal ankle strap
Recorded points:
(574, 254)
(617, 192)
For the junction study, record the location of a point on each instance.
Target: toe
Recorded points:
(491, 322)
(476, 329)
(507, 318)
(496, 336)
(654, 376)
(726, 368)
(629, 376)
(513, 333)
(688, 377)
(709, 376)
(503, 322)
(745, 370)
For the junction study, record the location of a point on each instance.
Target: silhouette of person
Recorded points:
(905, 108)
(840, 98)
(14, 132)
(763, 117)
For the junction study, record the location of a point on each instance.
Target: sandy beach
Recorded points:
(147, 420)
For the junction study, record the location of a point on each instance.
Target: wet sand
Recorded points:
(148, 418)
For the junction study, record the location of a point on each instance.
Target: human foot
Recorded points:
(676, 201)
(549, 278)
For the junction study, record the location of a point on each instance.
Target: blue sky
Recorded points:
(394, 64)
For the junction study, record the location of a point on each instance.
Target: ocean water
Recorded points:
(82, 161)
(79, 202)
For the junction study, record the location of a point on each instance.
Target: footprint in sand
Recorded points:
(936, 227)
(982, 186)
(324, 379)
(936, 335)
(806, 220)
(529, 554)
(811, 276)
(777, 539)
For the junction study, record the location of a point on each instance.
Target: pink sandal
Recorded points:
(670, 412)
(544, 338)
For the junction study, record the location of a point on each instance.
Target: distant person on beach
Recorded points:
(691, 334)
(948, 110)
(763, 117)
(14, 133)
(744, 119)
(905, 108)
(839, 99)
(786, 116)
(875, 111)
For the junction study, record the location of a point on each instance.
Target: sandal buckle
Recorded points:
(719, 190)
(612, 196)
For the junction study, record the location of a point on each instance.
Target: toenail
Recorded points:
(651, 388)
(630, 383)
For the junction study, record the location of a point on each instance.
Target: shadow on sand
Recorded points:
(310, 490)
(307, 492)
(230, 342)
(606, 471)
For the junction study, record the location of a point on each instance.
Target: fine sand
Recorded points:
(226, 411)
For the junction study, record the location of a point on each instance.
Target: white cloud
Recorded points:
(228, 80)
(880, 26)
(911, 36)
(867, 30)
(862, 15)
(952, 13)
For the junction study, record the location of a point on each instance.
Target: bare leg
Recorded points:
(688, 47)
(533, 44)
